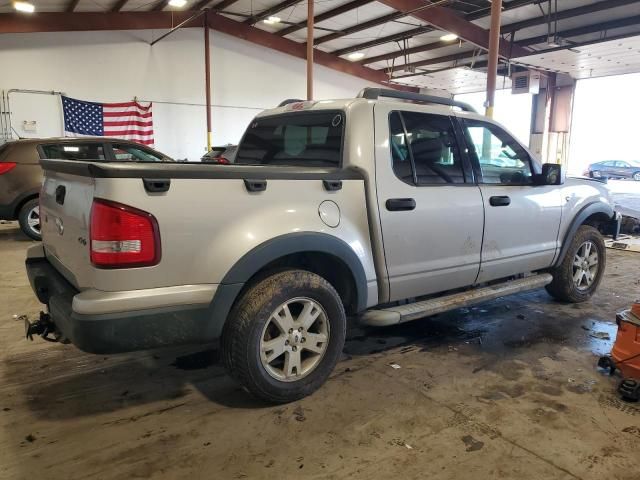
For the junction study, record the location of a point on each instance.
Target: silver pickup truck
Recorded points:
(388, 206)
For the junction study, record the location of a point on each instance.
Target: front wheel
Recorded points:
(285, 335)
(29, 219)
(578, 276)
(636, 176)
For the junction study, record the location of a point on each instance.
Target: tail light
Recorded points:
(123, 236)
(221, 161)
(7, 167)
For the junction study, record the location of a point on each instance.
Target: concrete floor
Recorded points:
(505, 390)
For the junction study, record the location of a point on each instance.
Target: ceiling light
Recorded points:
(355, 56)
(24, 7)
(177, 3)
(449, 37)
(272, 20)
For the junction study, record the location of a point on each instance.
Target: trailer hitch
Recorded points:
(43, 327)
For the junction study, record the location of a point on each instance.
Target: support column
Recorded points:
(310, 49)
(207, 77)
(551, 119)
(494, 46)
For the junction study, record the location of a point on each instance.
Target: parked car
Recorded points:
(375, 207)
(223, 155)
(21, 175)
(615, 169)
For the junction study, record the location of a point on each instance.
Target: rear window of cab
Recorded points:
(302, 139)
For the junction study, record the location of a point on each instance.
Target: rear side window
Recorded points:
(306, 139)
(424, 150)
(133, 153)
(74, 151)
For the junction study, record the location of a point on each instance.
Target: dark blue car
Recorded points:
(615, 169)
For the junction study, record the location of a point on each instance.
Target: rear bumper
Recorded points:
(89, 325)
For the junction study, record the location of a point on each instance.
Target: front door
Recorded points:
(521, 219)
(430, 209)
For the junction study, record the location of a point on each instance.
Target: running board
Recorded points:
(425, 308)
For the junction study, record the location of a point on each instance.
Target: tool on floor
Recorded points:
(43, 327)
(625, 355)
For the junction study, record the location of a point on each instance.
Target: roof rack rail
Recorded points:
(375, 93)
(288, 101)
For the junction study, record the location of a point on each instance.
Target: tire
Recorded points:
(566, 286)
(636, 176)
(259, 320)
(29, 213)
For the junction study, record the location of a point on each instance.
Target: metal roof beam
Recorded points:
(72, 5)
(324, 16)
(219, 6)
(446, 19)
(418, 31)
(573, 32)
(118, 5)
(270, 11)
(504, 29)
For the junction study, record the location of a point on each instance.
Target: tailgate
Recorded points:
(65, 207)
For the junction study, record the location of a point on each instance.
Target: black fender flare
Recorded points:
(586, 211)
(260, 256)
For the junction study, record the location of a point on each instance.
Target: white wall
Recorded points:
(116, 66)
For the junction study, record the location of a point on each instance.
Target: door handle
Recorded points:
(61, 192)
(255, 185)
(400, 204)
(500, 201)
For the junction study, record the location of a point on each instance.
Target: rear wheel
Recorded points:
(581, 270)
(636, 176)
(29, 219)
(285, 335)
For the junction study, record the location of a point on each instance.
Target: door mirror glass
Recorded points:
(551, 175)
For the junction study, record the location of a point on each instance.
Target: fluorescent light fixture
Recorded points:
(449, 37)
(177, 3)
(25, 7)
(272, 20)
(71, 149)
(355, 56)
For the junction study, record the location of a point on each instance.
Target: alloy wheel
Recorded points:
(33, 220)
(294, 339)
(585, 266)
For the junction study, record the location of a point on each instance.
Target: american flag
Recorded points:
(128, 120)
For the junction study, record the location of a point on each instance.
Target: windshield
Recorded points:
(310, 139)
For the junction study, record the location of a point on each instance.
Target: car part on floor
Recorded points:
(43, 327)
(625, 355)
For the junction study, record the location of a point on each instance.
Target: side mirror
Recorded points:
(551, 175)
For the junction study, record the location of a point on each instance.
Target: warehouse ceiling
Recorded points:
(401, 40)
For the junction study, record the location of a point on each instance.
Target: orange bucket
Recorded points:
(626, 349)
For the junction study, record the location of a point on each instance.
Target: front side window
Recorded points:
(501, 158)
(305, 139)
(74, 151)
(424, 149)
(133, 153)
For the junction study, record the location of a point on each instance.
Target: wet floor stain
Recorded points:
(197, 360)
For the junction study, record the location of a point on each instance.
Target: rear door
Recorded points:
(522, 220)
(430, 208)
